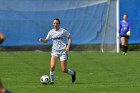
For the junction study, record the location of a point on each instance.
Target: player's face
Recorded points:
(124, 17)
(56, 24)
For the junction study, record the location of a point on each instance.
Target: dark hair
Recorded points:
(125, 14)
(57, 20)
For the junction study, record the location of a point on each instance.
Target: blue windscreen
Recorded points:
(23, 22)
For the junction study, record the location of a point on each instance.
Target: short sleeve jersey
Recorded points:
(59, 38)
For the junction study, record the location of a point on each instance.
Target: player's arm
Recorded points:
(43, 40)
(69, 43)
(129, 30)
(129, 27)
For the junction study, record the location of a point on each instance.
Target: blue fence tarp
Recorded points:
(24, 22)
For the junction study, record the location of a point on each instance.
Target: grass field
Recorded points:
(96, 72)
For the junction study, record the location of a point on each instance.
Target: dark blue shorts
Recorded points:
(127, 37)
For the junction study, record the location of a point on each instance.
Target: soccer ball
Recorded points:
(128, 33)
(44, 79)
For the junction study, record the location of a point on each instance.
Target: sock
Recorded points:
(123, 48)
(126, 48)
(70, 72)
(52, 74)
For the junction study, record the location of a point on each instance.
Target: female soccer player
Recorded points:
(124, 33)
(59, 49)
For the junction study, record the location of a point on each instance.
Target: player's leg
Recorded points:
(64, 66)
(66, 70)
(52, 67)
(123, 41)
(63, 59)
(126, 45)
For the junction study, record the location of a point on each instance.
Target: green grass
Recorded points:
(96, 72)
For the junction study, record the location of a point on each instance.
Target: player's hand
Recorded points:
(43, 40)
(40, 40)
(67, 49)
(128, 33)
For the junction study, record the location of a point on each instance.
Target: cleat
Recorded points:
(51, 82)
(123, 53)
(74, 77)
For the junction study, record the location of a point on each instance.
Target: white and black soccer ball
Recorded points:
(44, 79)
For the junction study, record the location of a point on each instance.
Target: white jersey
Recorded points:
(59, 38)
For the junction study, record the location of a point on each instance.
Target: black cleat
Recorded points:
(74, 77)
